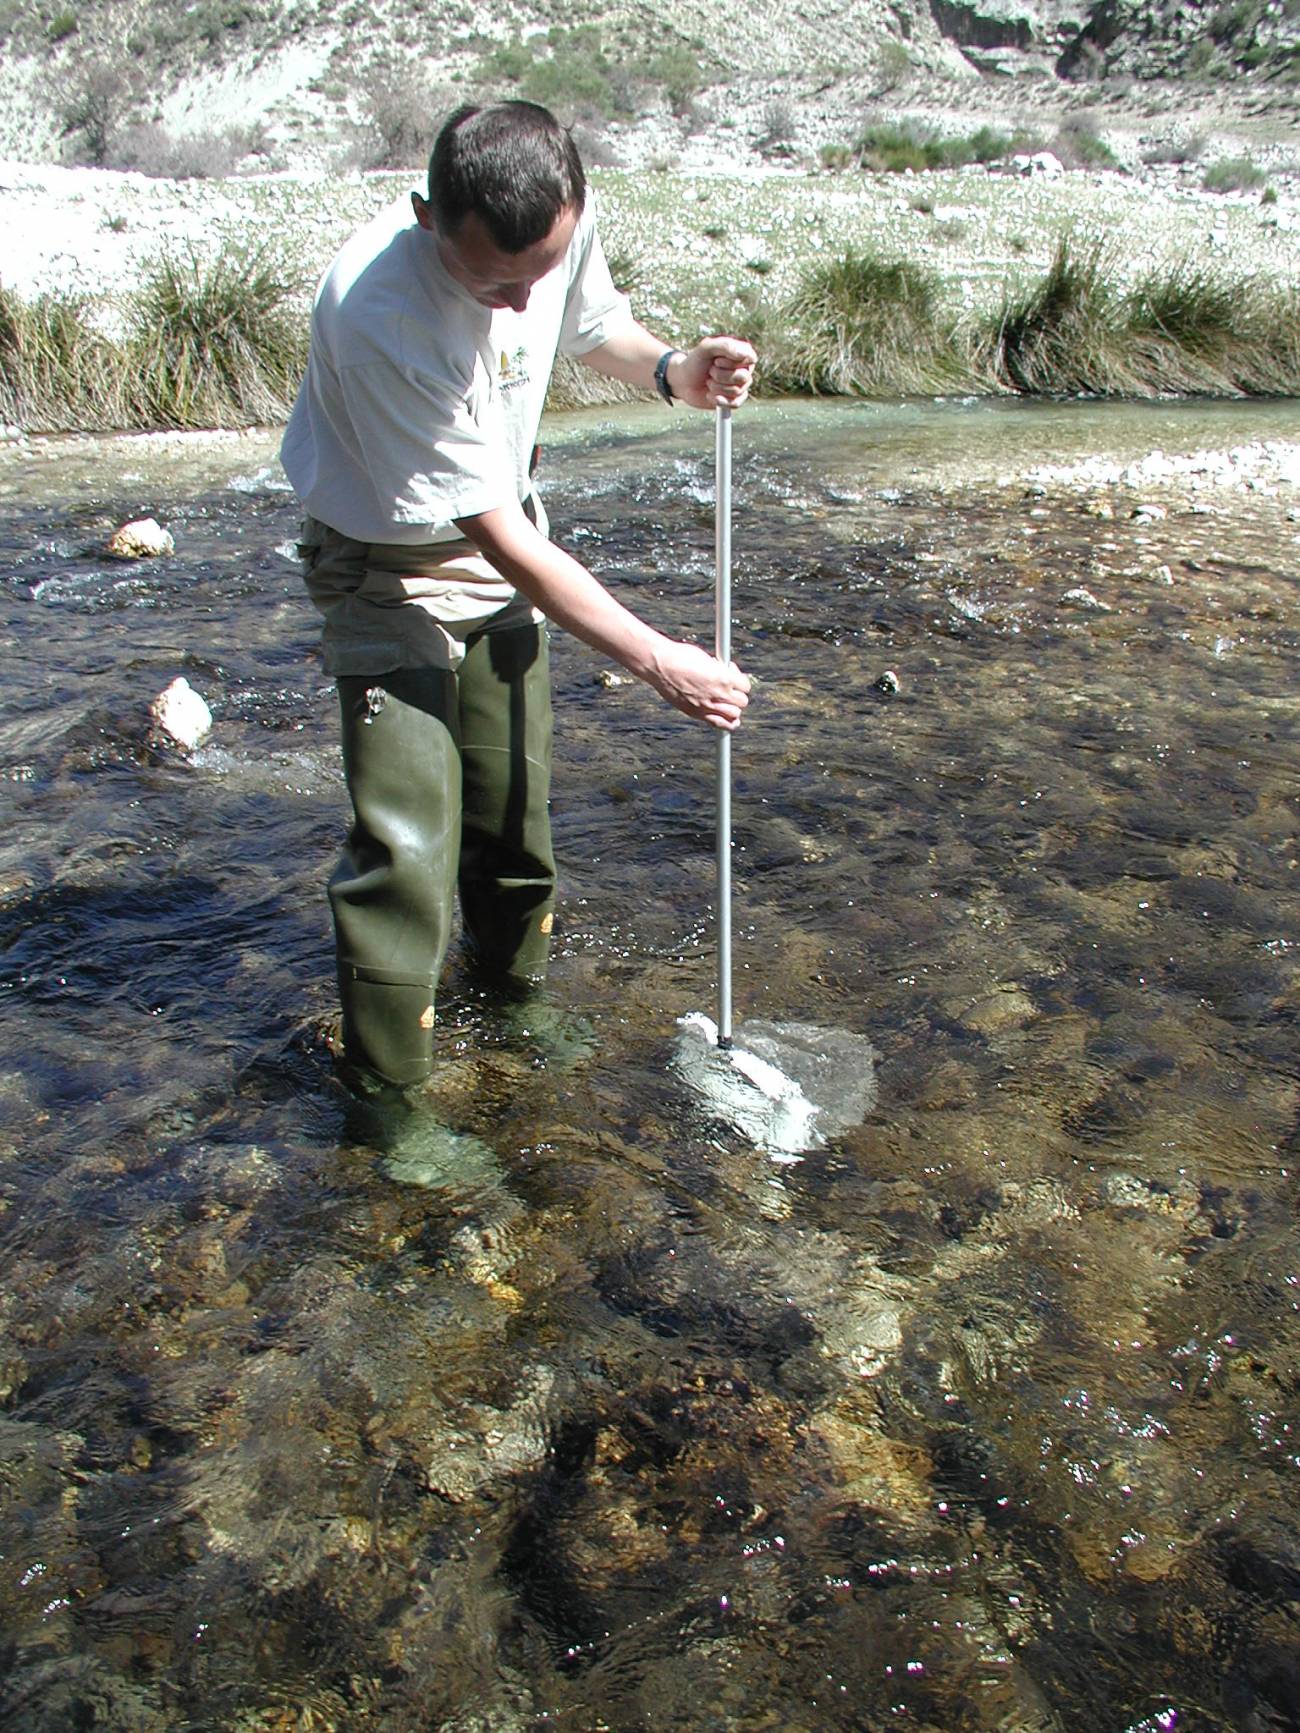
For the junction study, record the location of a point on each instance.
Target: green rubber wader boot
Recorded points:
(507, 868)
(421, 748)
(391, 893)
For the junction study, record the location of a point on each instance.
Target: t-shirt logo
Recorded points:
(513, 369)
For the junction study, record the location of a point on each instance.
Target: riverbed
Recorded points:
(556, 1403)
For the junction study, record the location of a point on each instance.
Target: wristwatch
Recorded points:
(662, 386)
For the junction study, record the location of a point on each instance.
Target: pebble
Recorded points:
(1081, 598)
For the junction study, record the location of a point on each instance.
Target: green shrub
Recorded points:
(566, 70)
(1233, 174)
(1078, 145)
(893, 64)
(61, 26)
(505, 62)
(835, 157)
(896, 147)
(1202, 59)
(676, 70)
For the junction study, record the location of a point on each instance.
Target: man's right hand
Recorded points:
(699, 685)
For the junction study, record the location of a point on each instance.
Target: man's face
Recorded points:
(496, 279)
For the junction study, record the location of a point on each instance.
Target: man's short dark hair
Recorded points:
(513, 165)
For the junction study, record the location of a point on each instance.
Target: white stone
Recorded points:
(141, 539)
(1043, 163)
(1081, 598)
(181, 713)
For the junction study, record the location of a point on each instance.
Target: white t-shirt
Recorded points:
(419, 405)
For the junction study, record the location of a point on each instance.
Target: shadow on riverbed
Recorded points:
(982, 1417)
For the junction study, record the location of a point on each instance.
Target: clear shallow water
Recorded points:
(983, 1417)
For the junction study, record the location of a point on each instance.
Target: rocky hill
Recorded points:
(135, 83)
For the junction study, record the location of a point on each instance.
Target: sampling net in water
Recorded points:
(787, 1087)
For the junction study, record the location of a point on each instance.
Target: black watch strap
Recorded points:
(662, 386)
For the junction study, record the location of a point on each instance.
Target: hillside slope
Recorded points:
(324, 81)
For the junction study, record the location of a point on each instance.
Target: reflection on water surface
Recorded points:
(553, 1405)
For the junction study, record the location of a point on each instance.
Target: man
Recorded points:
(426, 551)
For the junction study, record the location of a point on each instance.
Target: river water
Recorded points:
(560, 1405)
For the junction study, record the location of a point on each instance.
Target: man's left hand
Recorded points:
(716, 374)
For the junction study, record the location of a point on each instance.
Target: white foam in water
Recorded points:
(786, 1087)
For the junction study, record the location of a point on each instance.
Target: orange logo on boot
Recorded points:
(426, 1017)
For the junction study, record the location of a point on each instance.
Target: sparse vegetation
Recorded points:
(153, 150)
(780, 129)
(1079, 145)
(1175, 155)
(1234, 174)
(401, 112)
(899, 147)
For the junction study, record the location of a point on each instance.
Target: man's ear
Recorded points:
(423, 212)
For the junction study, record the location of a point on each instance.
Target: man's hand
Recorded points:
(716, 374)
(698, 684)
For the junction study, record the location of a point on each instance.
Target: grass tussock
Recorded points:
(1189, 331)
(217, 345)
(202, 346)
(1066, 335)
(57, 372)
(861, 325)
(224, 344)
(866, 326)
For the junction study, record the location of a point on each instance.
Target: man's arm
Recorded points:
(566, 592)
(716, 373)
